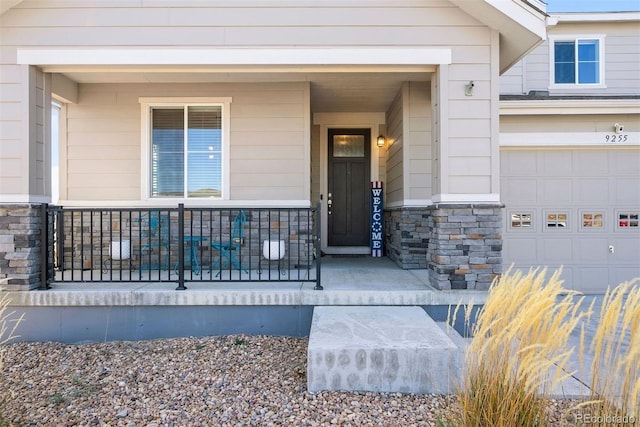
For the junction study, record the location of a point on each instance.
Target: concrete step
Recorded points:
(380, 349)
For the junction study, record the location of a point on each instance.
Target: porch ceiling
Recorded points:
(332, 91)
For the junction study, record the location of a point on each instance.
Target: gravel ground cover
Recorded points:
(232, 380)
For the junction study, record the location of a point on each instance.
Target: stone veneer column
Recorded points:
(460, 245)
(465, 248)
(407, 234)
(20, 246)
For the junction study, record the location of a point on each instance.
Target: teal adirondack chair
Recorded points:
(229, 249)
(154, 232)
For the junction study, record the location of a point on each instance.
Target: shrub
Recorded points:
(519, 350)
(615, 382)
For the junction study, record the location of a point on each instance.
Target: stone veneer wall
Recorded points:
(460, 245)
(88, 235)
(407, 232)
(20, 247)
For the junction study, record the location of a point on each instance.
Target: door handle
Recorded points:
(329, 204)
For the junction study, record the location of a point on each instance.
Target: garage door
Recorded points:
(577, 208)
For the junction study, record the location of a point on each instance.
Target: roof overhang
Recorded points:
(348, 79)
(556, 18)
(7, 4)
(521, 24)
(52, 58)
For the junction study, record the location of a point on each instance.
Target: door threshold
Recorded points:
(347, 250)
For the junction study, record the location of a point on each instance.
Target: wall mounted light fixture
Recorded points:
(618, 128)
(468, 88)
(380, 141)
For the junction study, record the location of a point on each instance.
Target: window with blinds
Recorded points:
(186, 151)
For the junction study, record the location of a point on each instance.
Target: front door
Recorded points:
(348, 178)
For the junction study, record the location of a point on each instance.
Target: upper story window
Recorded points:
(185, 149)
(577, 61)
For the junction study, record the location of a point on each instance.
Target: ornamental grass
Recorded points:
(519, 351)
(615, 381)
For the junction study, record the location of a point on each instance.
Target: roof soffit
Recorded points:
(522, 25)
(7, 4)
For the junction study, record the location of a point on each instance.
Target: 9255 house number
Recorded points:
(616, 137)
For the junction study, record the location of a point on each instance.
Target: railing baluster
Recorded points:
(151, 245)
(318, 220)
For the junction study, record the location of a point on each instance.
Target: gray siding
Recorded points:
(622, 61)
(267, 132)
(419, 142)
(25, 141)
(512, 81)
(167, 23)
(12, 122)
(395, 169)
(123, 23)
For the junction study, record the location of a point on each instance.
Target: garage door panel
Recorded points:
(626, 250)
(591, 163)
(520, 249)
(592, 249)
(556, 163)
(592, 190)
(556, 190)
(626, 191)
(557, 250)
(623, 274)
(518, 163)
(521, 190)
(590, 279)
(624, 163)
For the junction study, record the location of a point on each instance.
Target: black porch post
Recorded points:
(181, 286)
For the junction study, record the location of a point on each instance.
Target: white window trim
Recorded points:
(574, 38)
(146, 103)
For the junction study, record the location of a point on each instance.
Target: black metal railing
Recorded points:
(181, 245)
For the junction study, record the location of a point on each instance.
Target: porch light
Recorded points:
(468, 88)
(381, 141)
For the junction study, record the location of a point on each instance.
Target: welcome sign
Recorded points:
(376, 219)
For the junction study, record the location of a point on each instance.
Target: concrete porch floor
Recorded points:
(360, 280)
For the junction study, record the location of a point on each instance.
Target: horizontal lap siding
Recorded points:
(437, 23)
(401, 23)
(419, 142)
(266, 156)
(622, 59)
(394, 148)
(13, 154)
(469, 124)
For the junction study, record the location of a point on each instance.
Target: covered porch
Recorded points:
(97, 311)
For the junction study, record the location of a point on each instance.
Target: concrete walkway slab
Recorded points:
(380, 349)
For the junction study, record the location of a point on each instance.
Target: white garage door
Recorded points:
(576, 208)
